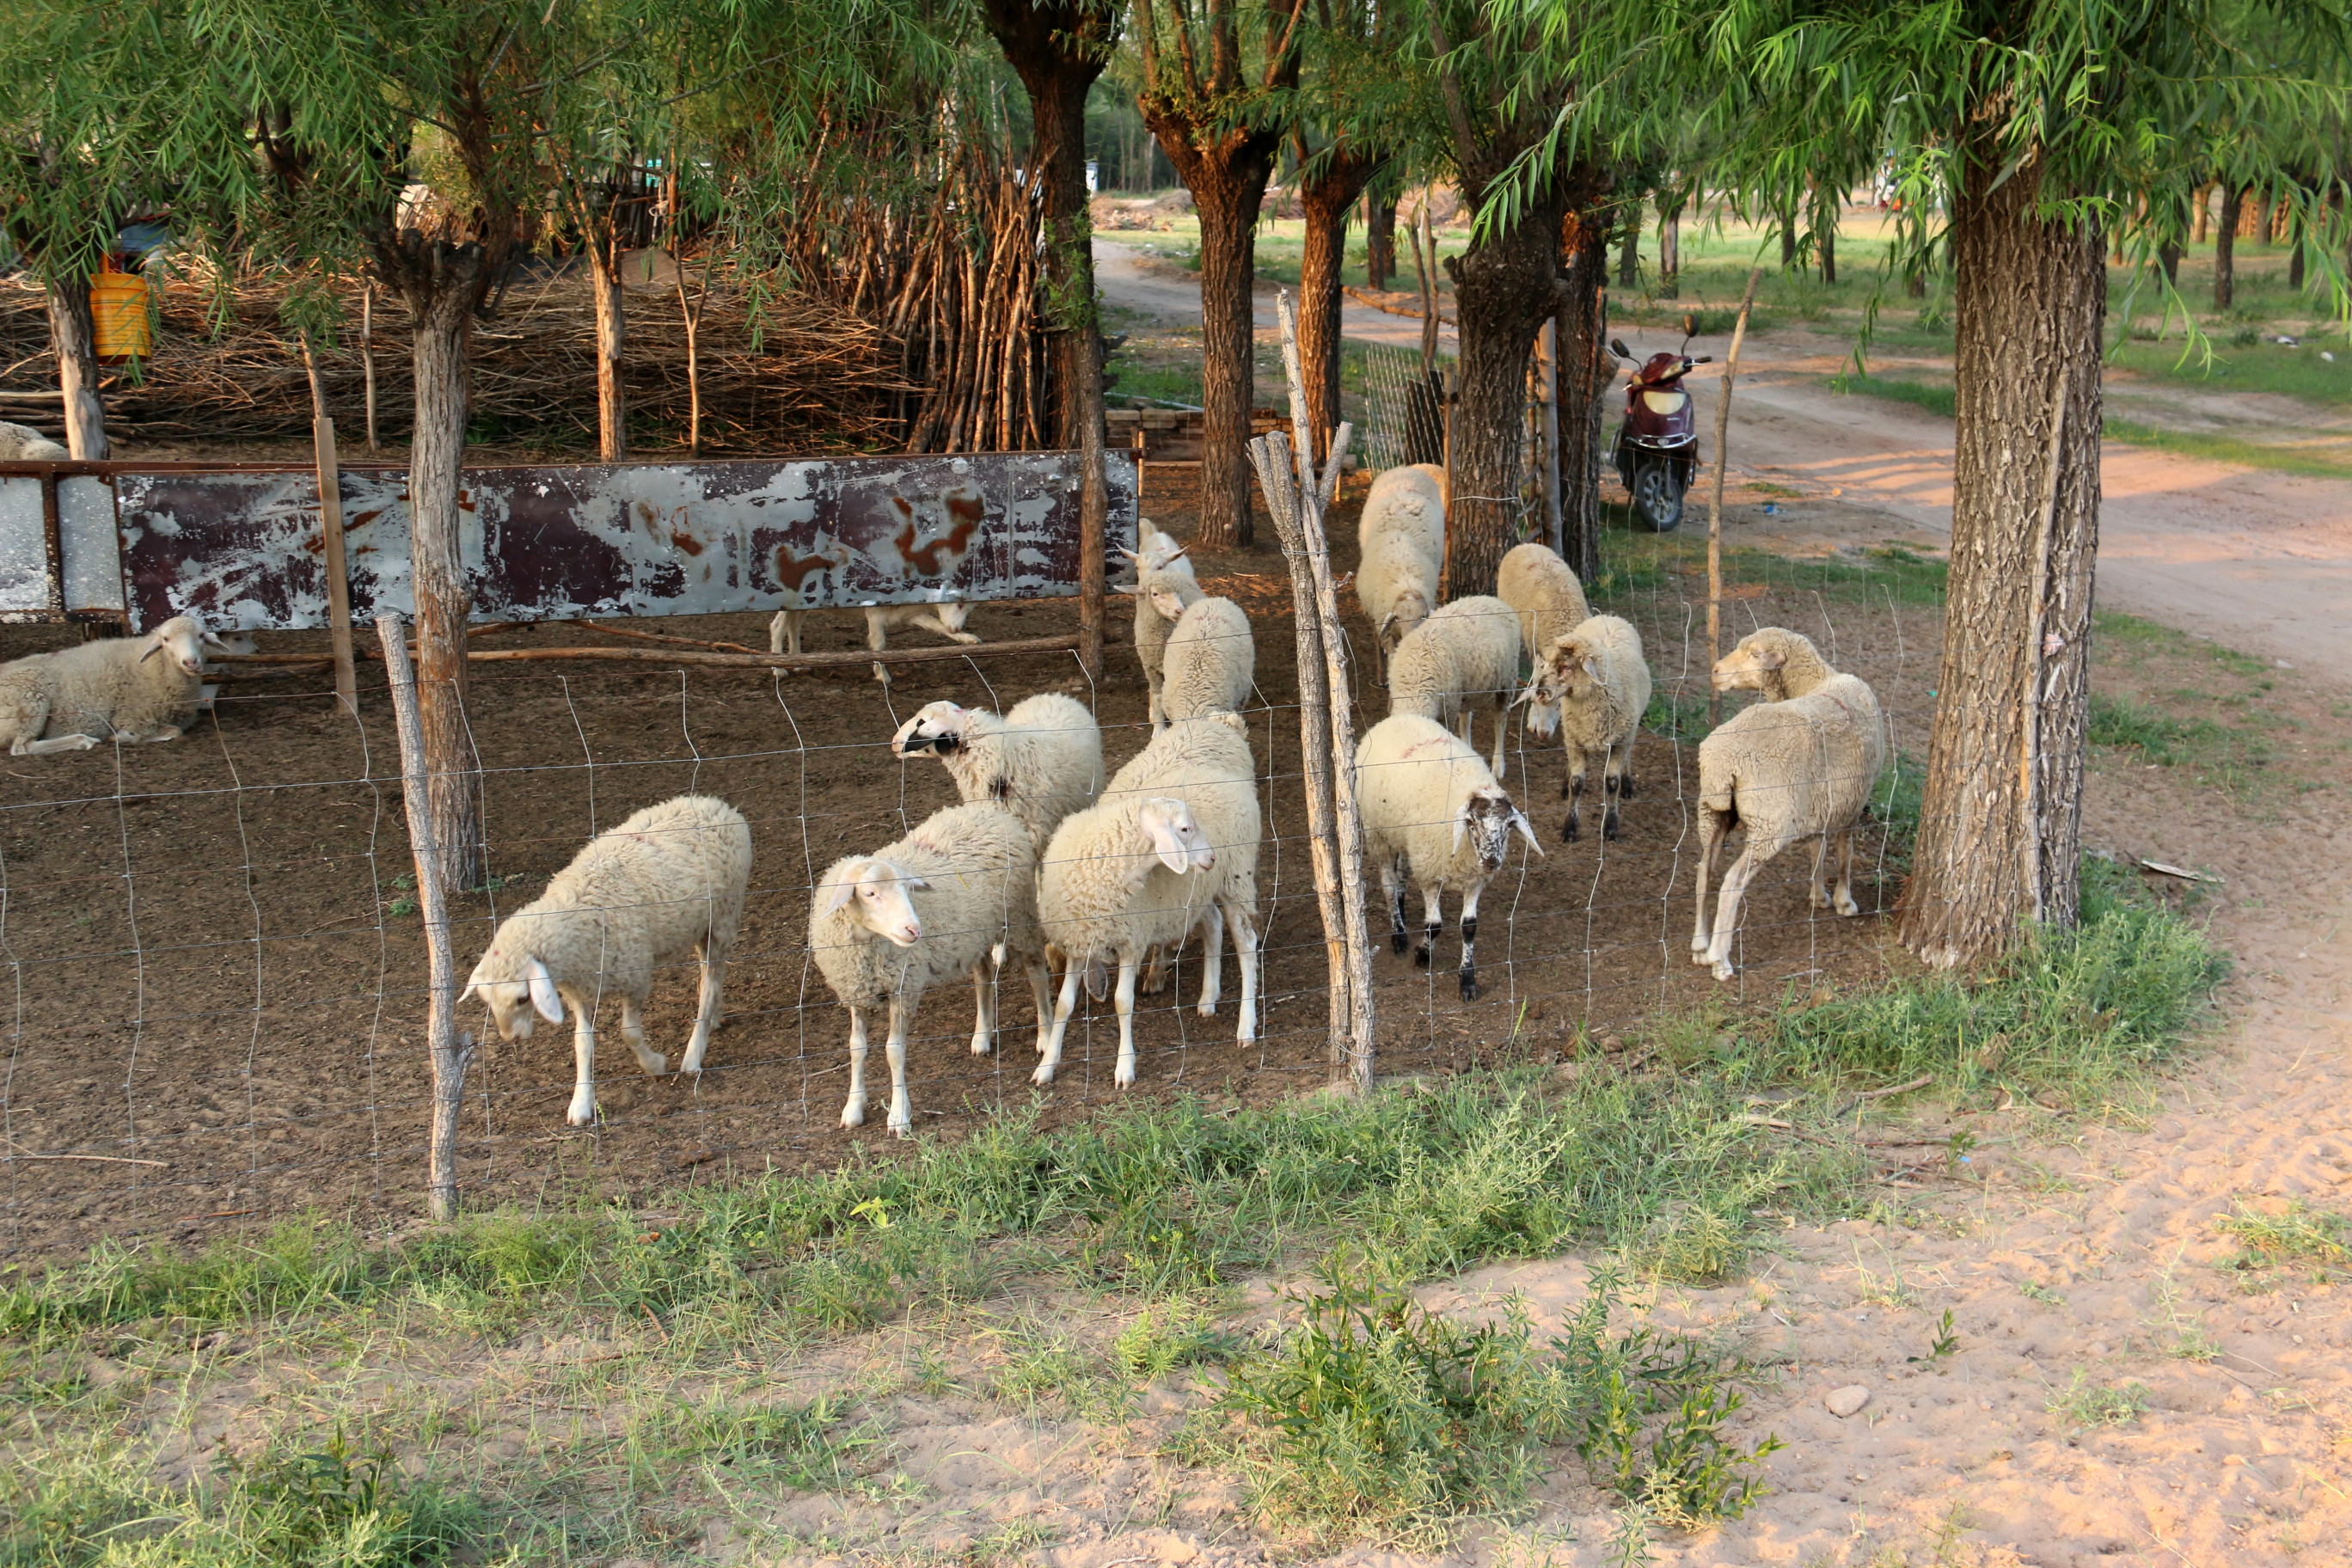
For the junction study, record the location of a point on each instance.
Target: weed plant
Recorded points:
(2296, 1235)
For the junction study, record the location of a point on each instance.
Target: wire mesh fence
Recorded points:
(214, 962)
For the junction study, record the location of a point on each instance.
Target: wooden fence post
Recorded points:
(330, 536)
(451, 1053)
(1715, 504)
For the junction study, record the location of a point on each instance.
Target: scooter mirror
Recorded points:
(1704, 359)
(1617, 346)
(1690, 325)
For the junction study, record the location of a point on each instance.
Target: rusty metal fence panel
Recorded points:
(241, 546)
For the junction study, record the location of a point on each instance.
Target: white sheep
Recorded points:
(956, 896)
(1592, 685)
(667, 879)
(1145, 866)
(1432, 816)
(1041, 760)
(1465, 655)
(1800, 764)
(1210, 663)
(1400, 548)
(1165, 587)
(947, 618)
(1533, 580)
(128, 689)
(23, 444)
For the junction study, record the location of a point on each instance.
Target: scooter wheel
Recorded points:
(1657, 500)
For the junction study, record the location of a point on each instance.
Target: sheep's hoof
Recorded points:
(1569, 830)
(1626, 788)
(1699, 954)
(1469, 986)
(1846, 906)
(1609, 827)
(1208, 1008)
(1400, 941)
(1724, 969)
(901, 1123)
(1043, 1075)
(1421, 958)
(854, 1114)
(1124, 1075)
(965, 636)
(582, 1114)
(980, 1044)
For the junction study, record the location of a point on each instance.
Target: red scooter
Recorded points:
(1658, 446)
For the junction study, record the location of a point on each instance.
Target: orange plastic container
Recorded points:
(118, 308)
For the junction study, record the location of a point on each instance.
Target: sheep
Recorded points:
(1164, 589)
(668, 878)
(1467, 651)
(957, 895)
(1433, 812)
(115, 689)
(1210, 663)
(947, 618)
(1041, 760)
(1143, 867)
(1593, 684)
(1539, 586)
(1800, 764)
(23, 444)
(1401, 545)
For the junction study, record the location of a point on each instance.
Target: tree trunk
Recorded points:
(74, 335)
(1587, 372)
(2203, 213)
(2295, 262)
(2000, 823)
(1629, 250)
(1825, 228)
(2225, 245)
(1327, 199)
(1226, 171)
(444, 319)
(2168, 256)
(1504, 288)
(1670, 253)
(1788, 239)
(1380, 245)
(612, 346)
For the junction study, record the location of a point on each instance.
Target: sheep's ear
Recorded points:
(1527, 831)
(1768, 658)
(1178, 556)
(837, 897)
(916, 884)
(1386, 622)
(152, 649)
(1130, 589)
(1591, 665)
(1168, 603)
(1159, 824)
(543, 995)
(216, 642)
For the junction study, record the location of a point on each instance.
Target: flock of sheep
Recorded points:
(1047, 863)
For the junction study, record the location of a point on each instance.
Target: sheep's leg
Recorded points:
(1611, 783)
(709, 1010)
(1041, 987)
(1067, 1004)
(1159, 968)
(160, 732)
(1727, 913)
(930, 622)
(1393, 892)
(1817, 888)
(1625, 767)
(1502, 728)
(1846, 904)
(53, 745)
(1573, 828)
(1124, 1000)
(1433, 920)
(1213, 961)
(651, 1063)
(878, 640)
(1470, 940)
(983, 1009)
(1153, 710)
(1711, 832)
(583, 1112)
(902, 1018)
(853, 1109)
(1244, 921)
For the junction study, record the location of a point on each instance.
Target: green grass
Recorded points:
(2296, 1235)
(2083, 1402)
(1934, 397)
(2233, 449)
(2227, 755)
(2220, 367)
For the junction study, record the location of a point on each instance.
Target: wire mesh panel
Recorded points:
(1404, 417)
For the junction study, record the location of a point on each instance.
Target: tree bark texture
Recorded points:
(444, 323)
(1999, 826)
(1327, 199)
(1504, 287)
(74, 335)
(1586, 373)
(1825, 228)
(1380, 245)
(612, 351)
(2225, 245)
(1670, 254)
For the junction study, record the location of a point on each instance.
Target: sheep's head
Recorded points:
(183, 640)
(1168, 595)
(1757, 663)
(1408, 611)
(514, 984)
(1567, 673)
(1486, 824)
(938, 728)
(1175, 835)
(879, 896)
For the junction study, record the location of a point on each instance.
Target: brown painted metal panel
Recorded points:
(241, 547)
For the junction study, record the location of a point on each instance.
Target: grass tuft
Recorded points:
(2294, 1235)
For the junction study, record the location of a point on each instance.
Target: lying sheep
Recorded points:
(956, 896)
(947, 618)
(1800, 764)
(1541, 587)
(1210, 663)
(1593, 686)
(1164, 589)
(636, 895)
(1145, 866)
(1041, 760)
(1432, 814)
(127, 689)
(1465, 655)
(1401, 545)
(23, 444)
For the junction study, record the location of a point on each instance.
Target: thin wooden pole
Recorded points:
(1062, 642)
(367, 358)
(1715, 503)
(1548, 389)
(1347, 826)
(2030, 759)
(450, 1053)
(330, 537)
